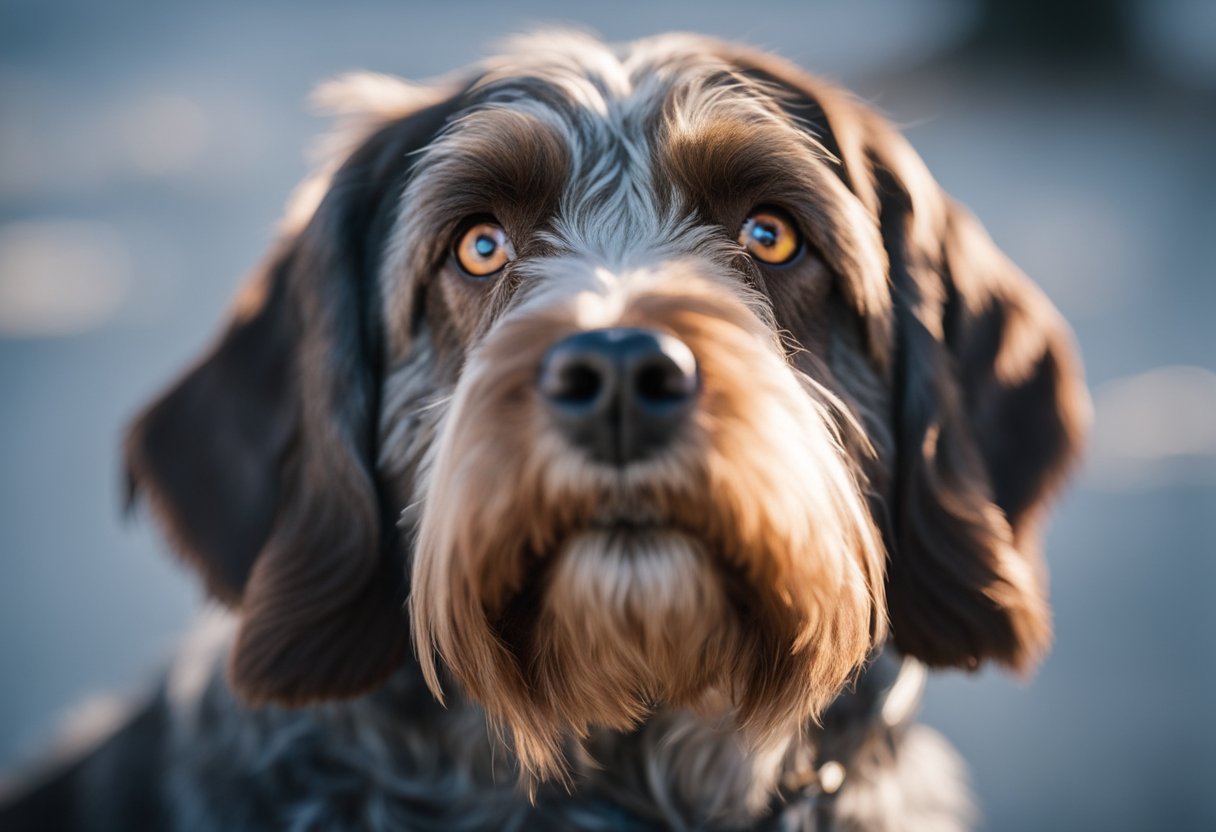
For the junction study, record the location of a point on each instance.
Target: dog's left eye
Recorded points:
(483, 249)
(770, 236)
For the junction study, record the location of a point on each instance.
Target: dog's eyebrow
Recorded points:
(494, 159)
(732, 160)
(725, 157)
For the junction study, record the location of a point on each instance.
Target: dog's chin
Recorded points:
(632, 616)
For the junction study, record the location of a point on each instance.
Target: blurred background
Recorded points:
(146, 150)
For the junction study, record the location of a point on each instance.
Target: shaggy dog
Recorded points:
(650, 408)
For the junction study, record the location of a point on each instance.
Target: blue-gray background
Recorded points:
(146, 151)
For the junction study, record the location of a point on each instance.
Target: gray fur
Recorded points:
(396, 760)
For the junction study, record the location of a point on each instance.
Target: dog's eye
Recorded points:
(483, 249)
(769, 235)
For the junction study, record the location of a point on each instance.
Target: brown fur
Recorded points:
(879, 428)
(788, 548)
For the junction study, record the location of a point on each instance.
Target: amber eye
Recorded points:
(483, 249)
(769, 235)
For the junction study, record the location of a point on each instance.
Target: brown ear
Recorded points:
(990, 411)
(259, 461)
(990, 407)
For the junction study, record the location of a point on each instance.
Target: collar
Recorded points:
(881, 703)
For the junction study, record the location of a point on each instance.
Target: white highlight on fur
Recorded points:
(831, 777)
(923, 786)
(905, 693)
(200, 653)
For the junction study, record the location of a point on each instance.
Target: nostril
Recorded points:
(652, 382)
(575, 378)
(663, 372)
(578, 384)
(661, 382)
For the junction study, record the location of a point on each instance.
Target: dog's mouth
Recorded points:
(612, 535)
(628, 539)
(626, 529)
(605, 550)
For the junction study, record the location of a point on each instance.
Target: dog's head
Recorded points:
(664, 374)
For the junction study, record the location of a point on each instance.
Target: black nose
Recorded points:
(620, 394)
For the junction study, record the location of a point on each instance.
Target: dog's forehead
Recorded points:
(614, 111)
(612, 82)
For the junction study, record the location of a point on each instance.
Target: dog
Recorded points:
(614, 438)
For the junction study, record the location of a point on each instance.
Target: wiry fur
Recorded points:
(617, 619)
(878, 428)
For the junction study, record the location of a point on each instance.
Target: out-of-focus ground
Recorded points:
(145, 153)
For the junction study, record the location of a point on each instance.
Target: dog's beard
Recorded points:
(631, 618)
(740, 565)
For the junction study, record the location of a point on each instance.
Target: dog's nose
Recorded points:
(620, 394)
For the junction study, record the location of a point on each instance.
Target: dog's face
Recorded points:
(653, 376)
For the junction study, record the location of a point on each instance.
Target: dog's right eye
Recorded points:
(483, 249)
(771, 236)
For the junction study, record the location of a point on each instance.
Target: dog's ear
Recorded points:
(990, 410)
(260, 460)
(990, 407)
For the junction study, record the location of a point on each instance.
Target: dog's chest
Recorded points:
(397, 760)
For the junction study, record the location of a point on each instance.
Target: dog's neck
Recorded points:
(693, 766)
(680, 767)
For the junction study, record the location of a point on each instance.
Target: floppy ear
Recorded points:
(260, 460)
(990, 410)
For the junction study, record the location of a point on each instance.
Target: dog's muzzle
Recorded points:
(619, 394)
